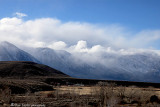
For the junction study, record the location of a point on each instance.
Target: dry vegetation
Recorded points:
(27, 84)
(101, 95)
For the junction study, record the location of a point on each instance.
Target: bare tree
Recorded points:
(5, 95)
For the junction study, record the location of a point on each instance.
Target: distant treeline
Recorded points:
(73, 81)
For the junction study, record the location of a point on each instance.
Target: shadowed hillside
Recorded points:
(21, 69)
(20, 76)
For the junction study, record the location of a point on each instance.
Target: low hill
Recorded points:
(24, 76)
(26, 69)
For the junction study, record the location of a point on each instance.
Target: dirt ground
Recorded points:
(81, 96)
(88, 90)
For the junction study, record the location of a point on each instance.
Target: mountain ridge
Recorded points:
(9, 52)
(144, 67)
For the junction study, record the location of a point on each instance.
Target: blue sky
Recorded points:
(134, 14)
(123, 23)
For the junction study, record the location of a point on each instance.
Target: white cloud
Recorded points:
(60, 45)
(20, 15)
(74, 36)
(81, 46)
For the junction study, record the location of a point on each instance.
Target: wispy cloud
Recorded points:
(20, 15)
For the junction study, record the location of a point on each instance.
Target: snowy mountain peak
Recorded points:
(7, 44)
(9, 52)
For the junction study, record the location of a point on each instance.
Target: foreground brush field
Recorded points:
(103, 94)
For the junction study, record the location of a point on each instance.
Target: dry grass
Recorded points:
(108, 95)
(101, 95)
(81, 90)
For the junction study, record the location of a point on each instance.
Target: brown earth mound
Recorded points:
(23, 69)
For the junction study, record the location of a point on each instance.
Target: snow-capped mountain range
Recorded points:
(135, 67)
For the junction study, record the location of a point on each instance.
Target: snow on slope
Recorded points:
(55, 59)
(137, 67)
(9, 52)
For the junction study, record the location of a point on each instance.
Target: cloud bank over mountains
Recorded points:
(97, 65)
(75, 36)
(85, 50)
